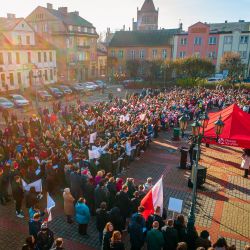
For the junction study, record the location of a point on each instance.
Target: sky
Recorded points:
(116, 13)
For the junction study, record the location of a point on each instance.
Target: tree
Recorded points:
(231, 61)
(193, 67)
(112, 64)
(152, 69)
(132, 67)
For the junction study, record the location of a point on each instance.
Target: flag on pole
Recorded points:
(153, 199)
(50, 204)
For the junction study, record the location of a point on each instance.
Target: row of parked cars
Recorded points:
(50, 92)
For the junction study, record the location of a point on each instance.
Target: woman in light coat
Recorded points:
(245, 162)
(69, 208)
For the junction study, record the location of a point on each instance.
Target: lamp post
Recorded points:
(197, 136)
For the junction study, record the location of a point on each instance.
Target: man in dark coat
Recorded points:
(170, 235)
(123, 203)
(102, 218)
(101, 194)
(35, 225)
(76, 183)
(18, 194)
(45, 238)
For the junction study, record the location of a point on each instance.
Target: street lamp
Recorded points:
(183, 124)
(197, 137)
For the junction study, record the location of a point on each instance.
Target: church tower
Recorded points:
(147, 17)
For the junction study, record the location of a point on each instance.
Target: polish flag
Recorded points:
(50, 204)
(153, 199)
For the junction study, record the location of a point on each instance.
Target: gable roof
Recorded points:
(147, 38)
(148, 6)
(71, 18)
(8, 24)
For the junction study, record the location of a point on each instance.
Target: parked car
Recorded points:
(57, 93)
(65, 89)
(78, 88)
(19, 100)
(44, 95)
(90, 86)
(101, 84)
(5, 103)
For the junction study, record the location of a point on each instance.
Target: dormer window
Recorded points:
(79, 29)
(70, 27)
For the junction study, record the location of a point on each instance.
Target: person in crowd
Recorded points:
(107, 234)
(155, 217)
(139, 213)
(18, 195)
(220, 244)
(45, 237)
(123, 203)
(101, 194)
(247, 247)
(111, 186)
(180, 226)
(58, 244)
(68, 205)
(135, 202)
(136, 232)
(76, 183)
(35, 225)
(102, 218)
(182, 246)
(170, 235)
(116, 219)
(35, 210)
(31, 198)
(148, 185)
(29, 243)
(232, 247)
(82, 216)
(116, 241)
(155, 240)
(245, 164)
(203, 240)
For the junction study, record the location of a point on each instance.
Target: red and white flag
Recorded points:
(153, 199)
(50, 204)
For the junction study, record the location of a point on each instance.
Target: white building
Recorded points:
(25, 58)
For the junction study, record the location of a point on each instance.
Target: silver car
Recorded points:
(19, 100)
(5, 103)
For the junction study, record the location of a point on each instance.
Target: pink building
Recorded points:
(199, 41)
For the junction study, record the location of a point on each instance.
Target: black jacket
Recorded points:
(117, 246)
(170, 235)
(102, 218)
(45, 240)
(17, 191)
(123, 203)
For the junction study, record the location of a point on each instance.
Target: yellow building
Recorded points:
(139, 45)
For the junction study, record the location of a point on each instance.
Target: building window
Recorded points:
(39, 57)
(120, 54)
(28, 40)
(3, 80)
(70, 27)
(197, 40)
(182, 54)
(112, 53)
(9, 58)
(79, 28)
(1, 58)
(228, 39)
(212, 55)
(11, 79)
(197, 54)
(51, 74)
(17, 58)
(183, 41)
(45, 56)
(85, 29)
(50, 56)
(46, 75)
(154, 53)
(29, 57)
(142, 54)
(19, 78)
(243, 54)
(133, 54)
(212, 40)
(19, 40)
(45, 27)
(244, 39)
(164, 54)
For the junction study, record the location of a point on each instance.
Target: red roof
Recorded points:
(148, 6)
(236, 131)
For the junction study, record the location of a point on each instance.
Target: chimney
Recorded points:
(11, 16)
(63, 10)
(124, 27)
(241, 21)
(49, 6)
(225, 21)
(76, 13)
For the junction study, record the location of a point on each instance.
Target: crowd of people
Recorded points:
(84, 148)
